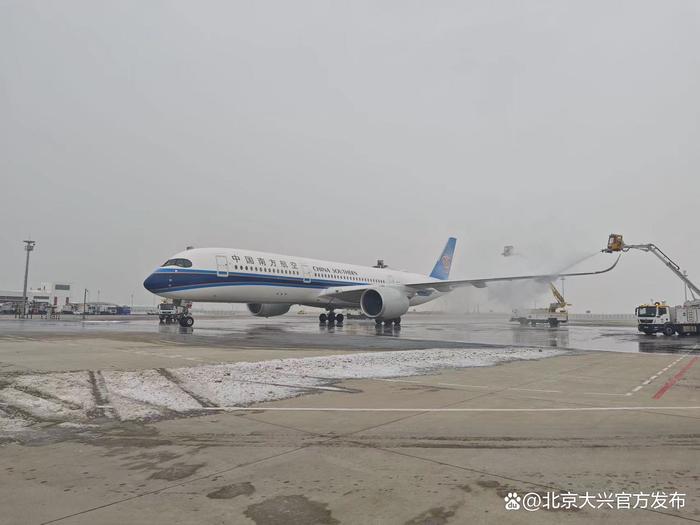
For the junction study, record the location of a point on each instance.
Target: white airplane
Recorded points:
(271, 283)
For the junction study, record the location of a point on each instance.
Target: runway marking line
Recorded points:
(655, 376)
(455, 410)
(669, 384)
(496, 388)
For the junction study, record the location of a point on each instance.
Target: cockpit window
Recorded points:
(182, 263)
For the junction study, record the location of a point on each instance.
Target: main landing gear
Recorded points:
(331, 318)
(389, 323)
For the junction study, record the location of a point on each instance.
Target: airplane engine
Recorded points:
(268, 309)
(383, 303)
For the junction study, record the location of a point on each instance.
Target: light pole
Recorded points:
(28, 247)
(84, 302)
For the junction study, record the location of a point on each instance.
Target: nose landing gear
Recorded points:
(186, 321)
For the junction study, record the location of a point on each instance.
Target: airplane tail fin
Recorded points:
(441, 270)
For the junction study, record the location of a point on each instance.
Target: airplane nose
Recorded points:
(150, 283)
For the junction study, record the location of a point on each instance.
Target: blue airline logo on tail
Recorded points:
(444, 263)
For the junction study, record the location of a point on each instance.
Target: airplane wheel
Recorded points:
(339, 318)
(187, 321)
(397, 321)
(331, 317)
(322, 318)
(378, 322)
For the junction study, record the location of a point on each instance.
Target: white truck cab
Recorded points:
(653, 318)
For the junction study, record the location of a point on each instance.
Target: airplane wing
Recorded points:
(348, 294)
(446, 286)
(352, 294)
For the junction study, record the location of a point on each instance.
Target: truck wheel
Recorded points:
(669, 330)
(553, 323)
(523, 322)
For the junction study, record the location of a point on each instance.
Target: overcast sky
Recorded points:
(350, 131)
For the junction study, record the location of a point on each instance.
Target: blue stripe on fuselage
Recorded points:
(172, 280)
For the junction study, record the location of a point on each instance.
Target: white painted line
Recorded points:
(466, 386)
(534, 390)
(655, 376)
(460, 385)
(603, 394)
(423, 383)
(456, 410)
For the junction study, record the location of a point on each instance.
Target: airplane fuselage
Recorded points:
(230, 275)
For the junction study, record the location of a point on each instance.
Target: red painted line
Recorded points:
(675, 379)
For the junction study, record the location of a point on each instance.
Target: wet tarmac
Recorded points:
(417, 331)
(266, 421)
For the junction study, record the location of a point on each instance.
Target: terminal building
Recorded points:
(47, 295)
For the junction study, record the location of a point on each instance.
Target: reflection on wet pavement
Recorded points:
(416, 331)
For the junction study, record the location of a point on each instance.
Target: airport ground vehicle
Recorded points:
(555, 315)
(659, 317)
(175, 311)
(8, 308)
(669, 320)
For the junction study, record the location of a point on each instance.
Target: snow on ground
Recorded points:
(73, 387)
(39, 407)
(221, 385)
(146, 394)
(128, 408)
(245, 383)
(12, 424)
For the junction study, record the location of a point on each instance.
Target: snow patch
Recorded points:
(145, 386)
(147, 394)
(38, 406)
(73, 387)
